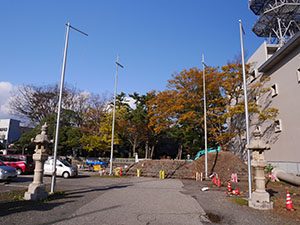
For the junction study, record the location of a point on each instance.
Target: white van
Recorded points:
(63, 168)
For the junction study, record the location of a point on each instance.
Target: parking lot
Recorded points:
(19, 183)
(22, 182)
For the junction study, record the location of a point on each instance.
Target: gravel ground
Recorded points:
(221, 210)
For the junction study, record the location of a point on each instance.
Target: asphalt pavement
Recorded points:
(110, 201)
(130, 201)
(145, 201)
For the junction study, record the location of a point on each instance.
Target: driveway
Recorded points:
(108, 201)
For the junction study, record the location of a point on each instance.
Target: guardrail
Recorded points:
(124, 160)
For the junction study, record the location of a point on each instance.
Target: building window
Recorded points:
(298, 75)
(278, 126)
(258, 128)
(256, 98)
(274, 89)
(253, 75)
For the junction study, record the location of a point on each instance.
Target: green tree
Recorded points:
(96, 126)
(133, 126)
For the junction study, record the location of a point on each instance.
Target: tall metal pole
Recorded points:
(60, 103)
(114, 117)
(59, 108)
(246, 110)
(204, 112)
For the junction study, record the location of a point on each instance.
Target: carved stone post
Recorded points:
(37, 190)
(260, 198)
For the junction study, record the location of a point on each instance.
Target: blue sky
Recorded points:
(154, 38)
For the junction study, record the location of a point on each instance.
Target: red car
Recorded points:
(22, 163)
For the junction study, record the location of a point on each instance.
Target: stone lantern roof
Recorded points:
(257, 144)
(42, 138)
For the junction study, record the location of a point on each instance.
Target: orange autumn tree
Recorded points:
(179, 109)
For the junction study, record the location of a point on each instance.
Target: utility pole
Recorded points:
(60, 102)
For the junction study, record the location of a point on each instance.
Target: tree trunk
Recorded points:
(134, 146)
(179, 154)
(152, 151)
(146, 150)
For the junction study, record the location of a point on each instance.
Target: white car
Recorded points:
(63, 168)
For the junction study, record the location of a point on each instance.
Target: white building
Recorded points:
(9, 131)
(282, 67)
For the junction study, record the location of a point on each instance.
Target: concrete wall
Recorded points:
(286, 146)
(258, 57)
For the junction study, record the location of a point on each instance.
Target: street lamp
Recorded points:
(114, 117)
(246, 108)
(204, 113)
(60, 102)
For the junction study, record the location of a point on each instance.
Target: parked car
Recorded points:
(92, 161)
(22, 163)
(7, 172)
(63, 168)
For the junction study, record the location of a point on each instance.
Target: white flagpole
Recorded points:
(204, 113)
(246, 110)
(63, 70)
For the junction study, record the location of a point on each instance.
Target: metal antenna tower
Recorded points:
(278, 21)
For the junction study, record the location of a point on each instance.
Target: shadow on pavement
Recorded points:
(86, 190)
(11, 207)
(81, 176)
(82, 215)
(8, 208)
(69, 196)
(22, 179)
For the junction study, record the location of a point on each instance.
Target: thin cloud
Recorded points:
(6, 89)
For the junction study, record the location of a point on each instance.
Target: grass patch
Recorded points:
(55, 195)
(240, 201)
(16, 195)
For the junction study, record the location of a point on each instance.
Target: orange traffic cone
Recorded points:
(236, 191)
(289, 203)
(229, 189)
(214, 179)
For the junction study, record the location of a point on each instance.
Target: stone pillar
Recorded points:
(260, 198)
(37, 190)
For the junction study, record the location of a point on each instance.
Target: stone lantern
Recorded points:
(260, 198)
(37, 189)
